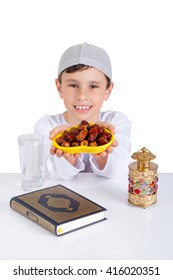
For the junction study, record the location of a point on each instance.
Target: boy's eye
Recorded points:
(93, 86)
(73, 85)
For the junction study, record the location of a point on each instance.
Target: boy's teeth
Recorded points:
(82, 107)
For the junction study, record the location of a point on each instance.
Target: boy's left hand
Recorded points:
(101, 158)
(110, 127)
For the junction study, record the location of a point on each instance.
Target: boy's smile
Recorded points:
(82, 108)
(83, 93)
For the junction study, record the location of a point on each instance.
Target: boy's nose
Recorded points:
(82, 94)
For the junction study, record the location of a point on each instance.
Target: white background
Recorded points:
(137, 34)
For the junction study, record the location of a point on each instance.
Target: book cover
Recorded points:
(58, 209)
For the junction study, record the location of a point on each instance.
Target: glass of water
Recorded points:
(31, 160)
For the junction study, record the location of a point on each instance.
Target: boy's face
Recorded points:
(83, 93)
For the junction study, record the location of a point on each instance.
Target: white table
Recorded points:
(128, 233)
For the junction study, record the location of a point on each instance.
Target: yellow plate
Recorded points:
(82, 149)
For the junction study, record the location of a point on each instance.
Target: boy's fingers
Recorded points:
(76, 155)
(107, 125)
(56, 130)
(114, 144)
(59, 153)
(52, 150)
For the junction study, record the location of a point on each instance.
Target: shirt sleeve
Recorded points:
(119, 159)
(54, 167)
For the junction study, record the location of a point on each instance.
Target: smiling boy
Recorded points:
(84, 83)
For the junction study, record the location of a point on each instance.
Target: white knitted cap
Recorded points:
(86, 54)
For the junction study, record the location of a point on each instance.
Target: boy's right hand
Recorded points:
(59, 153)
(52, 134)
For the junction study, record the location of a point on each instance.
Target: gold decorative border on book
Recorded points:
(32, 216)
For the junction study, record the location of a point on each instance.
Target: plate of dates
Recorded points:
(84, 138)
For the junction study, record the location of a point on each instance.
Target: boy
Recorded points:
(84, 83)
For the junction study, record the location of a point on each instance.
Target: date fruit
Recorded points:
(84, 135)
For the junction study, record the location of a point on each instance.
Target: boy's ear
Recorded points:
(108, 91)
(58, 86)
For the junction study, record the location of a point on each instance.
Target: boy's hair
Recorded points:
(86, 54)
(81, 67)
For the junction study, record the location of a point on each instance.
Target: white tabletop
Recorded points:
(128, 233)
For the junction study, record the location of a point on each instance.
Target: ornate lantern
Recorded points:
(143, 179)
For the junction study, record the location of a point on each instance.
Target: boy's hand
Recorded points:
(56, 130)
(101, 158)
(69, 157)
(110, 127)
(107, 125)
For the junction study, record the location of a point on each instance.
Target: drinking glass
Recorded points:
(31, 160)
